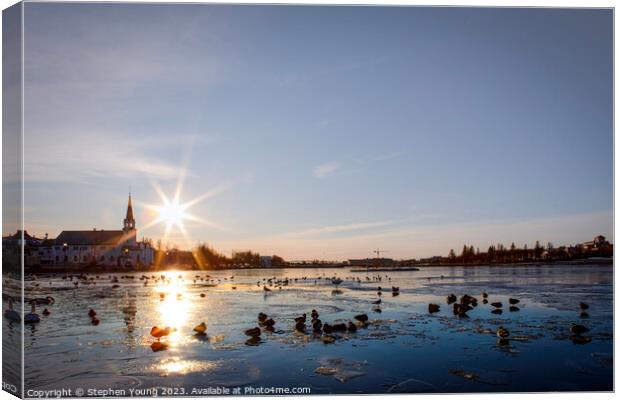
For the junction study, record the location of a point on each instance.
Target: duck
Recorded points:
(262, 317)
(203, 295)
(32, 317)
(513, 301)
(484, 295)
(584, 314)
(201, 329)
(502, 332)
(451, 298)
(341, 327)
(497, 304)
(395, 289)
(514, 309)
(433, 308)
(317, 325)
(300, 326)
(351, 327)
(578, 329)
(269, 322)
(266, 289)
(46, 312)
(94, 321)
(301, 319)
(314, 314)
(361, 317)
(253, 332)
(327, 328)
(497, 311)
(158, 332)
(583, 306)
(376, 302)
(92, 313)
(10, 313)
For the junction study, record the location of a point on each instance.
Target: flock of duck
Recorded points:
(325, 331)
(467, 303)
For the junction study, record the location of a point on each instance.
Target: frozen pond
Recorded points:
(402, 349)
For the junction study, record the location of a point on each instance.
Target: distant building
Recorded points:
(598, 243)
(96, 247)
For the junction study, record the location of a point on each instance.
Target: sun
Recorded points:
(172, 213)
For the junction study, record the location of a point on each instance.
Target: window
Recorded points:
(75, 258)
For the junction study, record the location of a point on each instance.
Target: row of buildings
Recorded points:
(118, 248)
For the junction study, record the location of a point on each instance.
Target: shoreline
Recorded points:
(85, 269)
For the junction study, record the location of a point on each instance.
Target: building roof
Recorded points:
(90, 237)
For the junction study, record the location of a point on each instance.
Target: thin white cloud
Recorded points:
(324, 170)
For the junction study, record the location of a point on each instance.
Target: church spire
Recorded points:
(129, 223)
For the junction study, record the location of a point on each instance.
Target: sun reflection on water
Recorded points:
(174, 306)
(176, 366)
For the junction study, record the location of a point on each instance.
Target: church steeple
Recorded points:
(129, 223)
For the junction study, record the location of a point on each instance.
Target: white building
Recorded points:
(99, 247)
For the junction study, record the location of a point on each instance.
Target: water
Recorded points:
(403, 349)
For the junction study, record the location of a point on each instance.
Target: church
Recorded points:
(99, 247)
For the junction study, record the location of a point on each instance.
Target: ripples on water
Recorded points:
(403, 349)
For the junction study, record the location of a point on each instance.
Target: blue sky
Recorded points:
(322, 131)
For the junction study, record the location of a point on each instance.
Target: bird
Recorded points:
(269, 322)
(497, 311)
(95, 321)
(158, 332)
(300, 326)
(513, 301)
(10, 313)
(583, 306)
(578, 329)
(202, 295)
(341, 327)
(361, 317)
(451, 298)
(266, 289)
(314, 314)
(201, 329)
(497, 304)
(32, 317)
(376, 302)
(514, 309)
(502, 332)
(92, 313)
(351, 327)
(46, 312)
(301, 319)
(253, 332)
(433, 308)
(317, 325)
(327, 328)
(262, 316)
(484, 295)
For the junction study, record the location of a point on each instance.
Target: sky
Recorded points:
(321, 132)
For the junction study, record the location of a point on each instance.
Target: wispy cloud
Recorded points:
(324, 170)
(84, 156)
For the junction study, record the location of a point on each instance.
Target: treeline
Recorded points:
(206, 257)
(512, 254)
